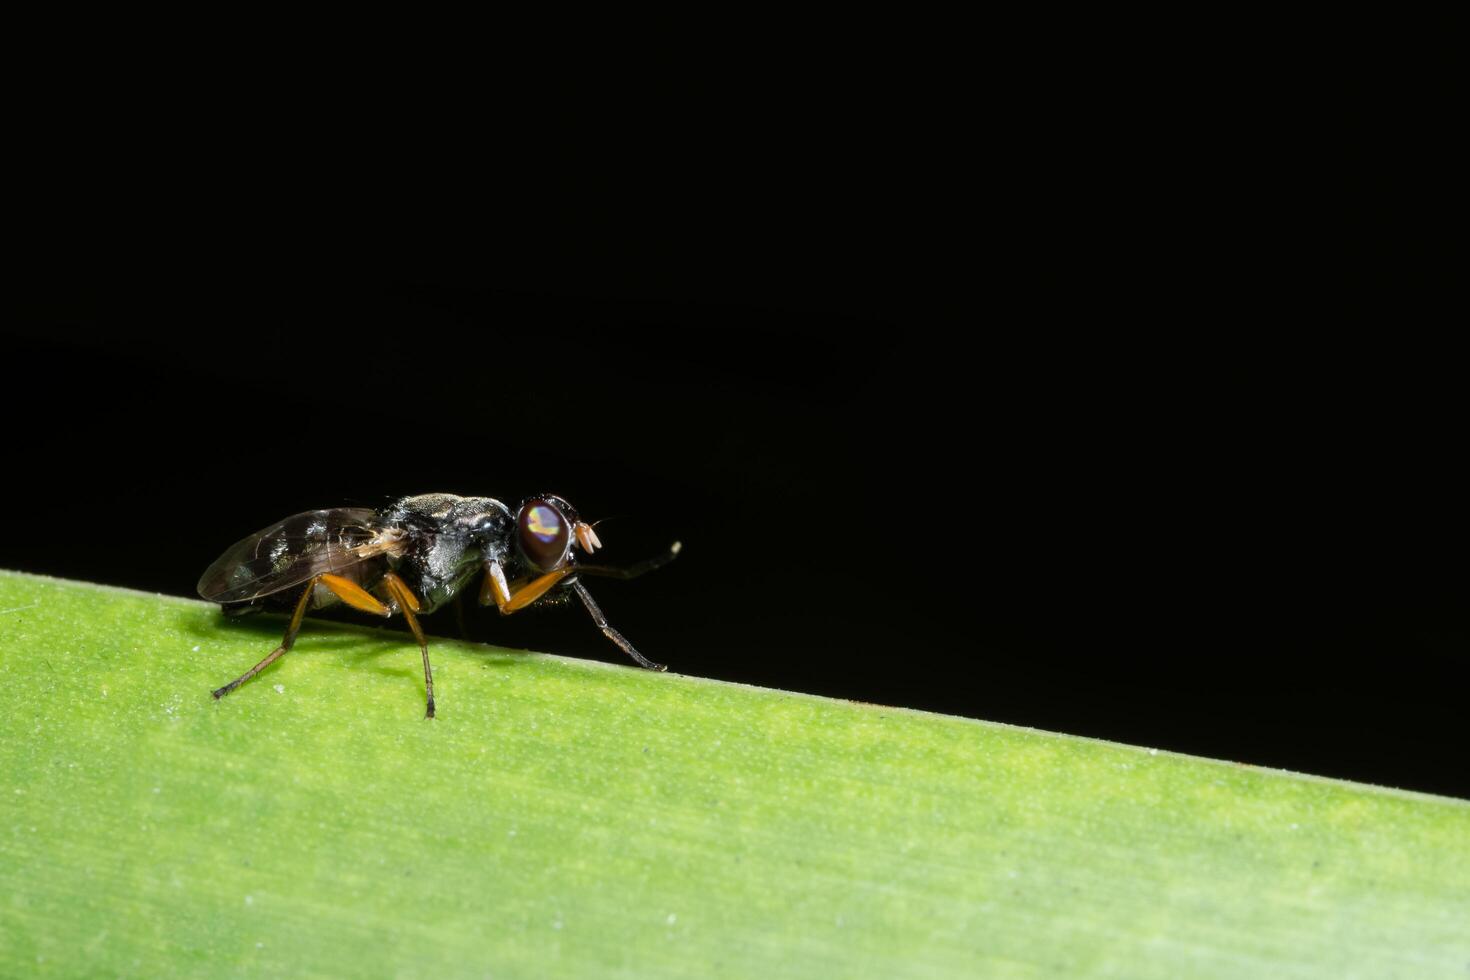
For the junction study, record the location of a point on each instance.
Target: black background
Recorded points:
(1080, 402)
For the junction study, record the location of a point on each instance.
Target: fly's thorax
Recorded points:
(435, 565)
(433, 507)
(487, 526)
(447, 540)
(458, 524)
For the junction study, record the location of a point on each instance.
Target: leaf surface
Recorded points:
(569, 818)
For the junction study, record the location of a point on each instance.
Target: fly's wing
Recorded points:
(296, 550)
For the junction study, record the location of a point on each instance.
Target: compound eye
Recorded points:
(544, 534)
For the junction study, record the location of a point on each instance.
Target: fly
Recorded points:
(411, 558)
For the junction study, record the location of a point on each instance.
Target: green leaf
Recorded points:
(570, 818)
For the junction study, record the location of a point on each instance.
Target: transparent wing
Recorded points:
(295, 550)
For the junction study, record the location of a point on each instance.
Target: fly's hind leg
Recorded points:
(348, 591)
(290, 638)
(408, 604)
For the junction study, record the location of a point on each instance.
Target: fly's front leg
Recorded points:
(609, 632)
(633, 571)
(496, 590)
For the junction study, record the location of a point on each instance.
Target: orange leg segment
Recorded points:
(354, 595)
(494, 589)
(408, 604)
(535, 589)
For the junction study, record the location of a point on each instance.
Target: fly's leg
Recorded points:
(291, 630)
(632, 571)
(495, 589)
(354, 595)
(609, 632)
(348, 591)
(535, 589)
(408, 604)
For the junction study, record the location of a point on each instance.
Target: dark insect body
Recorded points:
(411, 558)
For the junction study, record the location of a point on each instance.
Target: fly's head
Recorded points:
(546, 528)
